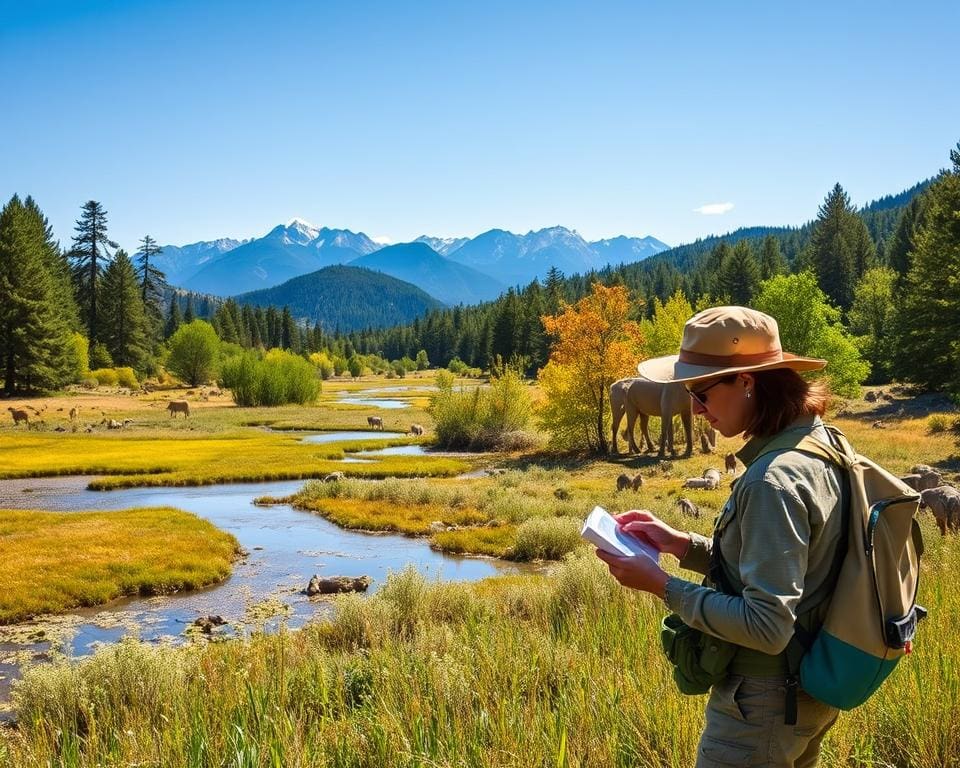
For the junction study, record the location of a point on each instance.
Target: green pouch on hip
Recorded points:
(699, 660)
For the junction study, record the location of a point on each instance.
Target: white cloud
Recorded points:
(714, 209)
(382, 240)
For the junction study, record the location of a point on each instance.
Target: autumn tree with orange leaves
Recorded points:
(595, 343)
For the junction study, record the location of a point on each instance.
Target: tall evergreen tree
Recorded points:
(841, 248)
(929, 353)
(188, 313)
(88, 255)
(290, 334)
(772, 260)
(739, 276)
(174, 318)
(123, 320)
(152, 280)
(903, 241)
(35, 335)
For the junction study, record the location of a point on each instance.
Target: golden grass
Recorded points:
(497, 541)
(364, 515)
(513, 672)
(253, 455)
(52, 561)
(527, 670)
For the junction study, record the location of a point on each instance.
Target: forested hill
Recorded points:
(726, 267)
(348, 298)
(880, 216)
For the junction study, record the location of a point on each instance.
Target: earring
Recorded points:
(748, 393)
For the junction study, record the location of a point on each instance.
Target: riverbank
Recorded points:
(51, 562)
(509, 672)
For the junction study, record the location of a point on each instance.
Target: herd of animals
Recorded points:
(635, 399)
(642, 399)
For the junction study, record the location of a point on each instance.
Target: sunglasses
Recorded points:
(701, 396)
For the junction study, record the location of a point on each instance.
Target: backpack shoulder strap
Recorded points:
(838, 451)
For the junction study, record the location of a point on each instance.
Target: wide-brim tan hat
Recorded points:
(724, 340)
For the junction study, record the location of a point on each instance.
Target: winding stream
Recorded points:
(285, 547)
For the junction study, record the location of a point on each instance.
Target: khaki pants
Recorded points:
(744, 725)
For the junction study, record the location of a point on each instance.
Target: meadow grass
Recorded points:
(520, 671)
(54, 561)
(133, 460)
(216, 444)
(558, 670)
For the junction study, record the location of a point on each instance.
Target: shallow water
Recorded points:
(396, 450)
(374, 402)
(401, 388)
(285, 547)
(339, 437)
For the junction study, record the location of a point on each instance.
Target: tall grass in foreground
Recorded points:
(529, 671)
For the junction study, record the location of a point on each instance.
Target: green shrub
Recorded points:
(482, 419)
(127, 378)
(324, 364)
(457, 366)
(100, 357)
(106, 377)
(546, 538)
(278, 378)
(937, 423)
(194, 351)
(79, 353)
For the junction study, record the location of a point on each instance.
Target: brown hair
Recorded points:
(783, 396)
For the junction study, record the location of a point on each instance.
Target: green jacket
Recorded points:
(779, 533)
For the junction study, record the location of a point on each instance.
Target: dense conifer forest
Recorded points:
(65, 311)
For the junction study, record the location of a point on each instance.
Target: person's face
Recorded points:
(727, 403)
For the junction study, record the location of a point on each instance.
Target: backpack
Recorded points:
(872, 616)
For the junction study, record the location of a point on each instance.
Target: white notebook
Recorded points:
(602, 531)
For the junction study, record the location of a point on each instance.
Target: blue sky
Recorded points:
(196, 120)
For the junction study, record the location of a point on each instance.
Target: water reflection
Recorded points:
(285, 547)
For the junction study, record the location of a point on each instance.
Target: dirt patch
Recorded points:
(896, 401)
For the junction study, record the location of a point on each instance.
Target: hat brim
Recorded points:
(669, 368)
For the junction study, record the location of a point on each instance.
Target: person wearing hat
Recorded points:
(771, 558)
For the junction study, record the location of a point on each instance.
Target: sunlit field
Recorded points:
(51, 562)
(562, 669)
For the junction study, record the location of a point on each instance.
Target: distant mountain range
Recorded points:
(346, 298)
(443, 278)
(179, 263)
(454, 270)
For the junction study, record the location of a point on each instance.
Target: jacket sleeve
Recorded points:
(775, 535)
(698, 554)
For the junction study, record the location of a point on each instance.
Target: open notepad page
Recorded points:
(602, 531)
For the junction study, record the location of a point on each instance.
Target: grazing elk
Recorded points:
(19, 414)
(178, 406)
(375, 422)
(730, 463)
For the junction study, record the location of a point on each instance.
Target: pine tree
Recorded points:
(87, 256)
(174, 318)
(929, 353)
(903, 241)
(841, 248)
(123, 319)
(554, 290)
(290, 334)
(772, 261)
(188, 314)
(152, 281)
(739, 276)
(35, 336)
